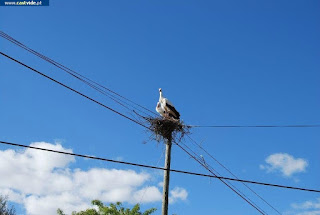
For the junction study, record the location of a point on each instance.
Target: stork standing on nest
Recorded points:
(160, 109)
(166, 108)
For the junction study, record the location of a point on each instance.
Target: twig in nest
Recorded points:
(167, 129)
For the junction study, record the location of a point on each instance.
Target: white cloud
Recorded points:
(47, 204)
(178, 193)
(43, 181)
(15, 197)
(317, 212)
(148, 194)
(285, 163)
(306, 208)
(307, 205)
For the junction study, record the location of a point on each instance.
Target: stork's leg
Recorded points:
(166, 114)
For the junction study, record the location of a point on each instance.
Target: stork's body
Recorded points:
(160, 109)
(169, 109)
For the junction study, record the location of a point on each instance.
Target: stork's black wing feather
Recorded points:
(174, 111)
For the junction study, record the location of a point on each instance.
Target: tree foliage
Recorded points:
(4, 208)
(112, 209)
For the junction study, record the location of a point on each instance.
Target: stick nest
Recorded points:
(163, 129)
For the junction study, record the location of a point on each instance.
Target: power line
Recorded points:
(223, 166)
(74, 74)
(160, 168)
(96, 86)
(228, 185)
(161, 155)
(209, 167)
(100, 88)
(81, 94)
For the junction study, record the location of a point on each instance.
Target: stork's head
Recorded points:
(160, 90)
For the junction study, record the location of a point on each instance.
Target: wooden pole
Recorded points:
(166, 177)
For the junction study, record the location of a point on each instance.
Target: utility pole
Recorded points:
(165, 194)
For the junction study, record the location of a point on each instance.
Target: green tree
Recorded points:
(112, 209)
(4, 208)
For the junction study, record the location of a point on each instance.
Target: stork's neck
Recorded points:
(160, 95)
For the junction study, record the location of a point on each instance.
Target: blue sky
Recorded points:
(220, 63)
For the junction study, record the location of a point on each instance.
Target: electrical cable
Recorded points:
(77, 75)
(218, 174)
(93, 83)
(221, 179)
(160, 168)
(81, 94)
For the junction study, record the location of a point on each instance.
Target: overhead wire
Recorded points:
(100, 88)
(234, 190)
(161, 156)
(159, 168)
(118, 98)
(79, 93)
(200, 159)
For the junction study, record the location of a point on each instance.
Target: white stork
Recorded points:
(160, 110)
(169, 109)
